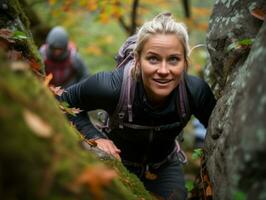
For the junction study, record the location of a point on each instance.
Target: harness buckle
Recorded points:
(149, 175)
(121, 116)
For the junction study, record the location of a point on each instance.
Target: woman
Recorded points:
(159, 65)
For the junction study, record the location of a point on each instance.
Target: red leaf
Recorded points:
(33, 63)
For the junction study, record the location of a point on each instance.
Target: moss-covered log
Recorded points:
(39, 151)
(40, 155)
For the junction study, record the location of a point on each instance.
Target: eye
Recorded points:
(173, 60)
(152, 59)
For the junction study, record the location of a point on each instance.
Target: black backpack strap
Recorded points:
(155, 128)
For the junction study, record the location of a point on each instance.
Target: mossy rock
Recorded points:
(39, 151)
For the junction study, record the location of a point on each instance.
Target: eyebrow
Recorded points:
(175, 54)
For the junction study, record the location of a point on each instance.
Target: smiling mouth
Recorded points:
(162, 81)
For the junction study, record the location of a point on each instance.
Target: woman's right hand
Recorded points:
(108, 146)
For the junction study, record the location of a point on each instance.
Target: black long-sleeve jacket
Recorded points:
(102, 91)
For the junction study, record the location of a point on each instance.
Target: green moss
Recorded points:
(46, 166)
(130, 180)
(15, 10)
(21, 23)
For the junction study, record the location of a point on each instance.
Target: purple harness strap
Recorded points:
(126, 97)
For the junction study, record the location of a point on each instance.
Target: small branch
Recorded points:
(124, 25)
(134, 16)
(186, 8)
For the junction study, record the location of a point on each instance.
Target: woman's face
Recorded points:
(161, 64)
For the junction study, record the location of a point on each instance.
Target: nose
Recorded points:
(163, 68)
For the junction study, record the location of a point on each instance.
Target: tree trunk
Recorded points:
(236, 138)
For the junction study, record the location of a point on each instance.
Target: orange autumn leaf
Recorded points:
(94, 179)
(208, 191)
(258, 13)
(94, 49)
(48, 79)
(52, 2)
(92, 5)
(33, 63)
(200, 11)
(67, 4)
(202, 26)
(104, 18)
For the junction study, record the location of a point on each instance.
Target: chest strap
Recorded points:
(177, 151)
(155, 128)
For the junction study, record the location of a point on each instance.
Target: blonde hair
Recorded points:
(163, 23)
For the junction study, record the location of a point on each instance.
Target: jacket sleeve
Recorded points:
(203, 100)
(100, 91)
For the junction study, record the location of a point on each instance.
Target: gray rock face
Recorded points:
(236, 139)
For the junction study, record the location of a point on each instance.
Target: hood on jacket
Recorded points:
(57, 38)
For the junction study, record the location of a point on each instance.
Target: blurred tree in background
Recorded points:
(99, 27)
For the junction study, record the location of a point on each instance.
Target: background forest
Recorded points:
(99, 27)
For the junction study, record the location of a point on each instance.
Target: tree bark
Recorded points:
(235, 143)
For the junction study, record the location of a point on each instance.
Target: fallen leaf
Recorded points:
(48, 79)
(66, 109)
(37, 125)
(33, 63)
(259, 13)
(208, 191)
(4, 45)
(95, 178)
(76, 110)
(19, 66)
(6, 34)
(57, 90)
